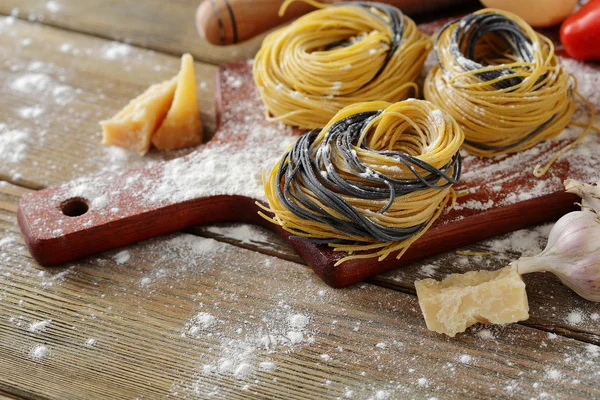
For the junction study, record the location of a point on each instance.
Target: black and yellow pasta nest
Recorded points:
(336, 56)
(370, 182)
(501, 81)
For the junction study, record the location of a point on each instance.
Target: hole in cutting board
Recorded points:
(74, 207)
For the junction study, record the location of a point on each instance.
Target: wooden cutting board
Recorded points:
(221, 181)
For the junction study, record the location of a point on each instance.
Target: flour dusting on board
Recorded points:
(229, 168)
(236, 167)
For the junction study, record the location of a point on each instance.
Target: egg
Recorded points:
(537, 13)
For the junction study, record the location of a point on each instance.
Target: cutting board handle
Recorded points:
(64, 223)
(225, 22)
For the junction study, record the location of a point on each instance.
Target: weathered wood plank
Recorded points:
(139, 309)
(57, 85)
(553, 307)
(166, 27)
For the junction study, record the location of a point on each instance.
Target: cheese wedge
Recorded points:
(182, 126)
(461, 300)
(132, 128)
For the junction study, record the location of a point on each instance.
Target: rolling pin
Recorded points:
(225, 22)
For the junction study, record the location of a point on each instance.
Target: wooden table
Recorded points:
(203, 314)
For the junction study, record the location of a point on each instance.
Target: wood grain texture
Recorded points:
(138, 309)
(168, 27)
(550, 302)
(74, 81)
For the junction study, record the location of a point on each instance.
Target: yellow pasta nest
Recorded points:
(372, 181)
(336, 56)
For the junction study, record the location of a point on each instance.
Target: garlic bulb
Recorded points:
(573, 249)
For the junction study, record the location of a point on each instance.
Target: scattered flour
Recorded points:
(295, 337)
(553, 374)
(100, 202)
(49, 279)
(7, 242)
(198, 245)
(267, 366)
(233, 81)
(588, 78)
(526, 242)
(201, 322)
(116, 50)
(53, 6)
(40, 84)
(593, 350)
(65, 48)
(13, 144)
(382, 395)
(574, 317)
(31, 83)
(299, 321)
(245, 233)
(145, 281)
(62, 94)
(241, 351)
(242, 371)
(465, 359)
(39, 352)
(428, 270)
(39, 326)
(31, 112)
(122, 257)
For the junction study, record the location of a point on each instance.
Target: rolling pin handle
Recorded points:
(226, 22)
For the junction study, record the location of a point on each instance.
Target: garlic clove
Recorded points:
(572, 254)
(583, 279)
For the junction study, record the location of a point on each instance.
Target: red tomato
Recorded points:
(580, 32)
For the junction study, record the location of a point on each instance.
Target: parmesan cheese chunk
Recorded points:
(181, 127)
(133, 126)
(461, 300)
